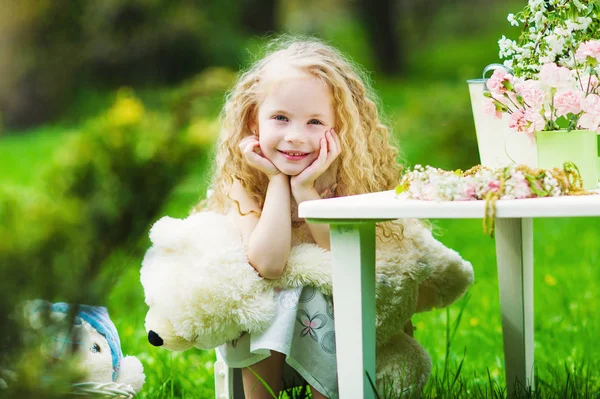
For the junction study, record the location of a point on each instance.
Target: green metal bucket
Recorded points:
(554, 148)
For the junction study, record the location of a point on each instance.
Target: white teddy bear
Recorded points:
(202, 292)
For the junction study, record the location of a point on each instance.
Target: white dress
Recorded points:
(303, 330)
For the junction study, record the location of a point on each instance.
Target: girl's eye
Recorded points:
(280, 118)
(314, 122)
(96, 348)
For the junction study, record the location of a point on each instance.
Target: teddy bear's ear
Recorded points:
(169, 233)
(132, 373)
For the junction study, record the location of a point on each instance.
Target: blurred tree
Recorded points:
(379, 17)
(259, 16)
(49, 47)
(132, 42)
(37, 60)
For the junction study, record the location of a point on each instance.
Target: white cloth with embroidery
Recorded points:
(303, 330)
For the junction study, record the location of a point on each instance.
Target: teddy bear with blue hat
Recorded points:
(93, 340)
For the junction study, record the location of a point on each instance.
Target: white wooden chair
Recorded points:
(228, 382)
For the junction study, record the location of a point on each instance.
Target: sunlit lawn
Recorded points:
(567, 275)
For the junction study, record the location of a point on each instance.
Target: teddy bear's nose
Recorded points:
(154, 338)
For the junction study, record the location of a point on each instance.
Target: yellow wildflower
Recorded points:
(550, 280)
(127, 109)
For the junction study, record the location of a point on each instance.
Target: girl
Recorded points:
(299, 125)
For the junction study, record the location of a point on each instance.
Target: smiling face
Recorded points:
(296, 111)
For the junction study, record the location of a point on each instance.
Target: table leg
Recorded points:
(353, 252)
(514, 252)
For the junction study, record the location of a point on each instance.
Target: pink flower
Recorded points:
(590, 83)
(527, 121)
(517, 120)
(428, 192)
(590, 49)
(591, 104)
(494, 185)
(496, 82)
(489, 108)
(531, 93)
(470, 192)
(536, 121)
(568, 102)
(522, 189)
(589, 121)
(552, 75)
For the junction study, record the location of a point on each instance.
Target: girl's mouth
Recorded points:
(294, 155)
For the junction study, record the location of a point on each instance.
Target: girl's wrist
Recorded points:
(302, 194)
(279, 177)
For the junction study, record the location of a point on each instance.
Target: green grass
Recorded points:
(23, 155)
(566, 327)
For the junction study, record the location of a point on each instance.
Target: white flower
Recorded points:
(556, 43)
(580, 7)
(573, 25)
(560, 31)
(539, 18)
(526, 52)
(546, 59)
(552, 30)
(566, 61)
(507, 47)
(584, 22)
(535, 4)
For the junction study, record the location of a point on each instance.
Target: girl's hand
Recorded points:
(251, 152)
(329, 151)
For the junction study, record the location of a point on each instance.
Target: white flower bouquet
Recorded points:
(552, 30)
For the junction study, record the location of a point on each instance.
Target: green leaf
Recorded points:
(533, 184)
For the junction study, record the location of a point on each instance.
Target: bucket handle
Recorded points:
(493, 67)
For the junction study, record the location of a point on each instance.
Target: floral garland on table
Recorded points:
(483, 183)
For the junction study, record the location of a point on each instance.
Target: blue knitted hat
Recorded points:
(97, 317)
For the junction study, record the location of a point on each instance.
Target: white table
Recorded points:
(352, 221)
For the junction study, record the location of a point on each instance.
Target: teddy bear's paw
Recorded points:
(403, 366)
(307, 265)
(132, 373)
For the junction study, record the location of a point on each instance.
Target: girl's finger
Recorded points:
(251, 147)
(244, 142)
(323, 150)
(332, 143)
(335, 136)
(336, 139)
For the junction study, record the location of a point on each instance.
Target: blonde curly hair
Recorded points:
(367, 162)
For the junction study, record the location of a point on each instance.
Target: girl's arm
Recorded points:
(303, 185)
(320, 232)
(268, 236)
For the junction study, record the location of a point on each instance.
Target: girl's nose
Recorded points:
(295, 135)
